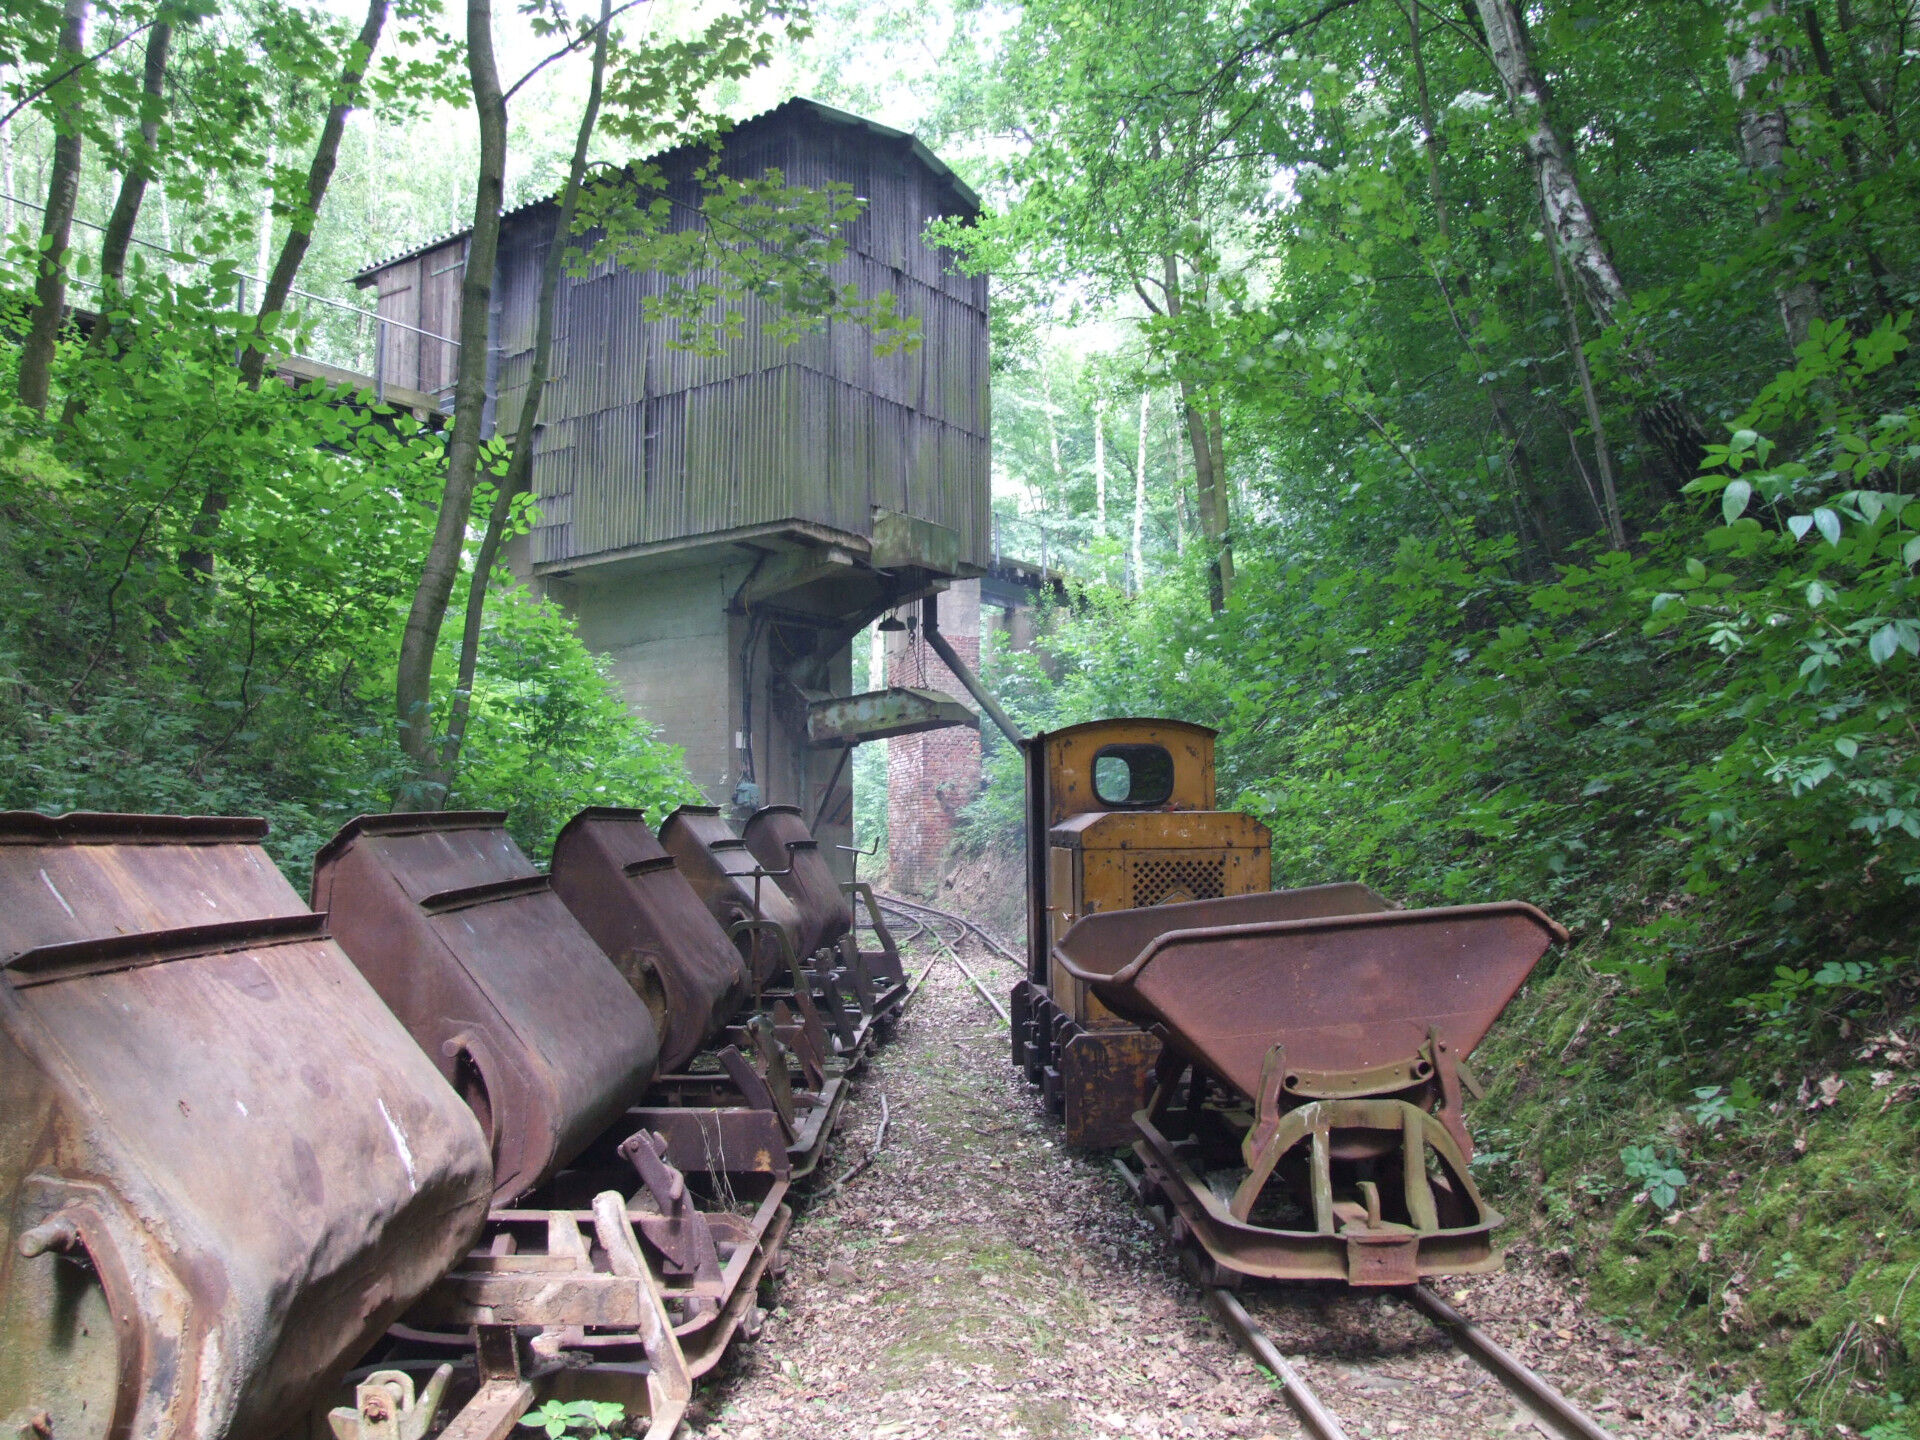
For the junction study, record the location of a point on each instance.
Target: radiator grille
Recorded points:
(1156, 882)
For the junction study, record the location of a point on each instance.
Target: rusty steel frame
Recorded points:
(626, 890)
(669, 1281)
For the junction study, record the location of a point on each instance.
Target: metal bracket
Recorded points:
(386, 1408)
(669, 1382)
(675, 1228)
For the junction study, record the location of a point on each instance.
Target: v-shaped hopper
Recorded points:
(1342, 992)
(494, 978)
(780, 840)
(226, 1167)
(721, 870)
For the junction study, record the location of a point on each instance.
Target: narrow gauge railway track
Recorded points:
(1547, 1403)
(918, 912)
(929, 923)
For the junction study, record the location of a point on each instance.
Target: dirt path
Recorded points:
(977, 1280)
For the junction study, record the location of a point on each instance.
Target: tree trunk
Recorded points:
(1100, 468)
(413, 684)
(326, 155)
(1755, 68)
(1053, 429)
(1572, 228)
(1570, 220)
(519, 477)
(118, 236)
(63, 189)
(1205, 438)
(1140, 491)
(1849, 143)
(1609, 497)
(253, 358)
(1526, 499)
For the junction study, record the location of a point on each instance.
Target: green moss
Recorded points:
(1791, 1259)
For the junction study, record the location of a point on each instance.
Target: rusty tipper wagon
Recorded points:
(225, 1167)
(1289, 1065)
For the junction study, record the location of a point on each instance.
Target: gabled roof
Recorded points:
(788, 110)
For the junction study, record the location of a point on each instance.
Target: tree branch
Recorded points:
(572, 45)
(73, 69)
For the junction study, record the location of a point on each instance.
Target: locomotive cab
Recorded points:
(1119, 816)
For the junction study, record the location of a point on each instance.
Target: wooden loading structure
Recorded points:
(721, 526)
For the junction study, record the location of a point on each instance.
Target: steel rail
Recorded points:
(1225, 1307)
(1540, 1397)
(954, 955)
(991, 941)
(1548, 1404)
(972, 979)
(1314, 1417)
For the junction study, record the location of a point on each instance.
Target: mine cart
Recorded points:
(596, 1237)
(779, 839)
(620, 884)
(489, 971)
(761, 1100)
(227, 1168)
(742, 895)
(1307, 1119)
(745, 896)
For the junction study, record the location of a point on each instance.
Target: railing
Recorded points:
(333, 350)
(1051, 543)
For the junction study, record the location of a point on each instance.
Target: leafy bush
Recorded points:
(152, 661)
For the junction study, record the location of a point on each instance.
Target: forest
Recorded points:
(1499, 420)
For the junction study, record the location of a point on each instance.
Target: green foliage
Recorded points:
(550, 733)
(756, 238)
(130, 680)
(1656, 1171)
(586, 1419)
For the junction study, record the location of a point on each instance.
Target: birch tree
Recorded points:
(1574, 231)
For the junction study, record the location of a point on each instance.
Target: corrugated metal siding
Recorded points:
(641, 442)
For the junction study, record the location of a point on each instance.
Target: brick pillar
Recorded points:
(931, 776)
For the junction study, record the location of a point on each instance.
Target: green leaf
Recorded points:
(1847, 746)
(1884, 644)
(1733, 500)
(1799, 525)
(1828, 524)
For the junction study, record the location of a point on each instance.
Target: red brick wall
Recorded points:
(932, 776)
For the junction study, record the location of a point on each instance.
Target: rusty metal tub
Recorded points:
(1343, 992)
(753, 909)
(1342, 1039)
(625, 889)
(779, 839)
(495, 979)
(226, 1167)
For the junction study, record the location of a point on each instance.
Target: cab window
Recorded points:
(1132, 777)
